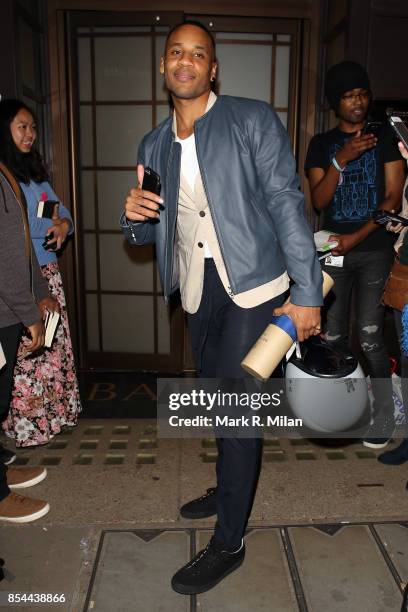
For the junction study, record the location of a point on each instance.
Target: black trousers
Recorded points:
(221, 335)
(9, 340)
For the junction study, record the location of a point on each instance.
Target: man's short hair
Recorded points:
(197, 24)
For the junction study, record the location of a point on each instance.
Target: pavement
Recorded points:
(328, 531)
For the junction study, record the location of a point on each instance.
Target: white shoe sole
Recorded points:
(376, 446)
(30, 483)
(29, 517)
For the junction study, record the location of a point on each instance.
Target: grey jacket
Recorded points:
(250, 180)
(21, 281)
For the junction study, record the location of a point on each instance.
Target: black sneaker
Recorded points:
(207, 569)
(7, 456)
(202, 507)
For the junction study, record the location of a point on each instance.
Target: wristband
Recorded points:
(337, 165)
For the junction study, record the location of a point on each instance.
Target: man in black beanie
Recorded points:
(351, 173)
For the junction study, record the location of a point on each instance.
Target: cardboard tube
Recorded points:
(273, 344)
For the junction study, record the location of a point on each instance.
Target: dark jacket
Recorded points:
(21, 281)
(250, 180)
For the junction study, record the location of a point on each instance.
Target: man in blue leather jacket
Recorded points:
(230, 230)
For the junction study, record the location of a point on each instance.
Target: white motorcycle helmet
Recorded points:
(326, 387)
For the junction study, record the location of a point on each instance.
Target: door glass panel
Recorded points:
(283, 116)
(91, 282)
(161, 92)
(123, 69)
(127, 322)
(239, 52)
(123, 267)
(119, 130)
(86, 135)
(236, 74)
(113, 188)
(162, 112)
(85, 74)
(92, 322)
(282, 76)
(87, 200)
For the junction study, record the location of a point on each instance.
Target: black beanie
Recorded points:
(344, 77)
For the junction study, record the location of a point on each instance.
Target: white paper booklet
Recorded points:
(2, 358)
(51, 322)
(321, 240)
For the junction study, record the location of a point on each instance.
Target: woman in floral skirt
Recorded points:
(46, 394)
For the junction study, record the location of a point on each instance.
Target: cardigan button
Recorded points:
(201, 213)
(200, 244)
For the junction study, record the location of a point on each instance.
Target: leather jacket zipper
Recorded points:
(168, 254)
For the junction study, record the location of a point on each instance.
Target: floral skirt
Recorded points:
(45, 396)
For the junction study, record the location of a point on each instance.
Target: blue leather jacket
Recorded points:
(258, 211)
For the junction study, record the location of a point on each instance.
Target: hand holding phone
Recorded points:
(143, 203)
(46, 244)
(385, 216)
(355, 146)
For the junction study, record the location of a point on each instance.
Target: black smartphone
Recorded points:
(49, 247)
(372, 127)
(151, 181)
(384, 216)
(397, 121)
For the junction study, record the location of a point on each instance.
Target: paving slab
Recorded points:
(134, 572)
(263, 582)
(46, 560)
(343, 571)
(394, 538)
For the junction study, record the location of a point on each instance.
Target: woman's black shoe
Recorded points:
(6, 456)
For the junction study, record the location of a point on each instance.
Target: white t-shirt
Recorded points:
(189, 161)
(190, 169)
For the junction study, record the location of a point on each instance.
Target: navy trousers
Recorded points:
(221, 335)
